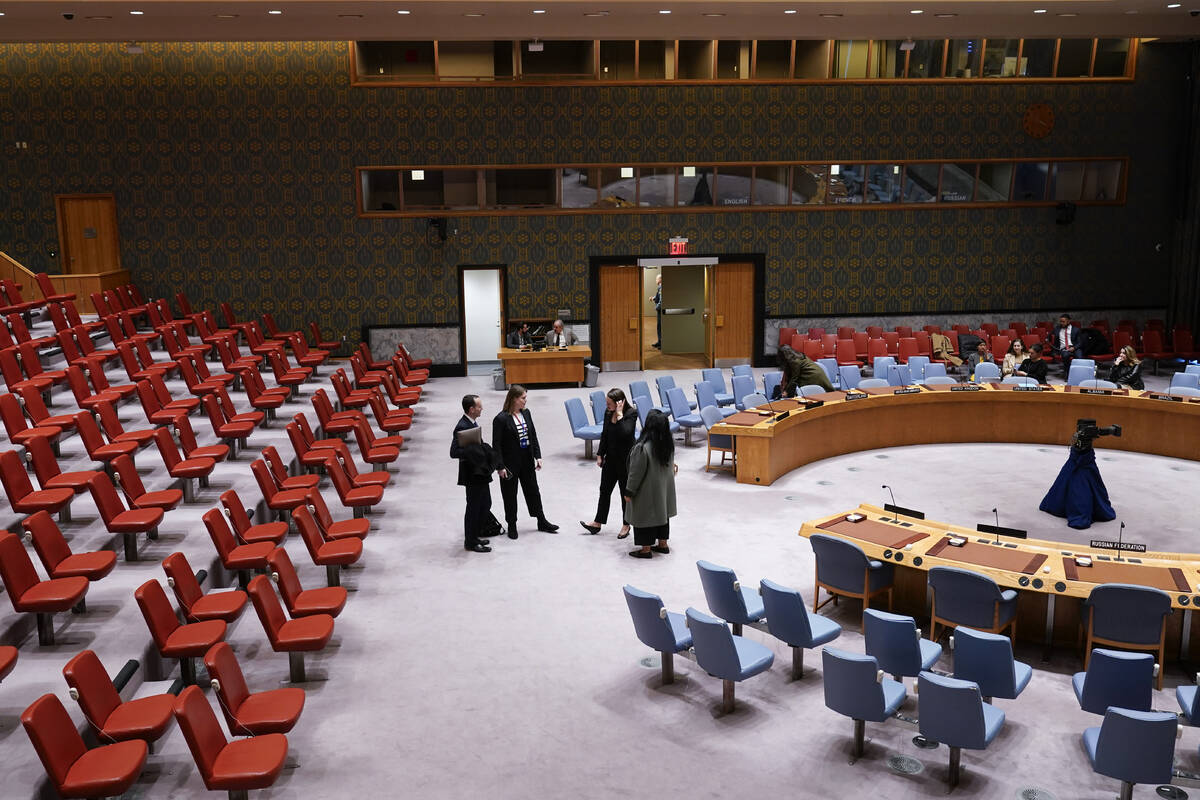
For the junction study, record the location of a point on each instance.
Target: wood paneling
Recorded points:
(620, 316)
(545, 366)
(80, 285)
(87, 229)
(733, 311)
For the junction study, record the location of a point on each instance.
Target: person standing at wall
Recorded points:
(650, 487)
(616, 440)
(476, 463)
(657, 298)
(515, 439)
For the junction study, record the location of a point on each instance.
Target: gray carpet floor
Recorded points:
(517, 673)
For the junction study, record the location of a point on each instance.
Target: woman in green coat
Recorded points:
(650, 487)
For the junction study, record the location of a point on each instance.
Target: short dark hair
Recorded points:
(1037, 348)
(1064, 314)
(469, 402)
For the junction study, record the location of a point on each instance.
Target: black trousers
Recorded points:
(644, 537)
(659, 330)
(479, 503)
(526, 475)
(609, 478)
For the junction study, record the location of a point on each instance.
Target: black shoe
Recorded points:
(592, 529)
(664, 549)
(478, 547)
(485, 541)
(656, 346)
(641, 554)
(546, 526)
(512, 531)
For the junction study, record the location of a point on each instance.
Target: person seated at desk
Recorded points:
(557, 337)
(1127, 370)
(1013, 358)
(976, 358)
(519, 337)
(1033, 366)
(799, 371)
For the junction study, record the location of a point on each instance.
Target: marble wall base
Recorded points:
(440, 343)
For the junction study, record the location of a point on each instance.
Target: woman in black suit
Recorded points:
(616, 440)
(515, 440)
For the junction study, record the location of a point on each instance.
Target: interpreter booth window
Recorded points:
(1074, 58)
(887, 59)
(380, 190)
(1037, 58)
(656, 187)
(440, 189)
(599, 187)
(1000, 58)
(618, 60)
(958, 182)
(1111, 58)
(921, 183)
(695, 60)
(1066, 180)
(846, 183)
(809, 184)
(850, 58)
(1029, 181)
(521, 188)
(733, 59)
(812, 59)
(925, 58)
(734, 186)
(995, 179)
(1102, 181)
(963, 58)
(656, 60)
(773, 58)
(770, 186)
(695, 186)
(883, 183)
(558, 60)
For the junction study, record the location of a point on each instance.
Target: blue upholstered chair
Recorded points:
(665, 384)
(900, 376)
(844, 569)
(986, 371)
(1080, 373)
(1184, 391)
(743, 385)
(682, 413)
(707, 398)
(791, 623)
(1085, 362)
(917, 366)
(855, 688)
(933, 370)
(599, 406)
(742, 369)
(987, 660)
(723, 655)
(830, 366)
(953, 713)
(1193, 369)
(850, 376)
(1129, 617)
(642, 389)
(657, 628)
(939, 380)
(811, 389)
(1023, 380)
(1185, 380)
(881, 367)
(1187, 696)
(771, 382)
(716, 379)
(873, 383)
(1133, 747)
(727, 598)
(963, 597)
(897, 644)
(721, 442)
(1097, 383)
(645, 405)
(1114, 678)
(580, 428)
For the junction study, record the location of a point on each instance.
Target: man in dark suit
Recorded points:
(1064, 340)
(476, 463)
(519, 336)
(657, 298)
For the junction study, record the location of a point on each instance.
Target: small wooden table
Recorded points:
(553, 365)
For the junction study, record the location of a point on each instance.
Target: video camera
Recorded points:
(1086, 432)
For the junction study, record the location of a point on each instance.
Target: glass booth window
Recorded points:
(770, 186)
(598, 187)
(809, 185)
(1074, 58)
(380, 190)
(921, 183)
(925, 59)
(958, 182)
(1066, 180)
(850, 58)
(1000, 58)
(656, 187)
(883, 183)
(1111, 55)
(963, 59)
(733, 186)
(1029, 182)
(1102, 181)
(1037, 58)
(846, 183)
(695, 186)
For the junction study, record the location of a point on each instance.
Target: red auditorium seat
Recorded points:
(118, 519)
(93, 441)
(907, 348)
(31, 363)
(39, 415)
(347, 466)
(115, 431)
(191, 449)
(76, 321)
(333, 422)
(257, 344)
(237, 766)
(333, 555)
(56, 556)
(246, 714)
(18, 428)
(31, 595)
(230, 431)
(195, 604)
(66, 343)
(413, 363)
(192, 380)
(281, 501)
(893, 342)
(390, 421)
(178, 346)
(407, 375)
(75, 771)
(173, 638)
(48, 471)
(156, 412)
(238, 558)
(8, 660)
(11, 291)
(1154, 350)
(292, 636)
(231, 320)
(23, 498)
(135, 491)
(247, 532)
(100, 383)
(349, 397)
(286, 375)
(49, 293)
(20, 333)
(261, 398)
(14, 378)
(330, 529)
(234, 363)
(84, 397)
(307, 454)
(279, 472)
(320, 343)
(230, 412)
(273, 330)
(304, 356)
(365, 378)
(1184, 345)
(376, 449)
(146, 718)
(301, 602)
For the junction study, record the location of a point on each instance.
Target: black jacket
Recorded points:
(508, 444)
(616, 440)
(476, 462)
(1128, 375)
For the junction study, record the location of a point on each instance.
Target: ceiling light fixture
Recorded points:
(1039, 11)
(945, 15)
(1174, 5)
(715, 14)
(226, 16)
(664, 11)
(917, 11)
(404, 12)
(539, 11)
(595, 13)
(830, 16)
(472, 14)
(98, 18)
(275, 12)
(790, 11)
(136, 13)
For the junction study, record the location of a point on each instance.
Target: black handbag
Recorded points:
(491, 527)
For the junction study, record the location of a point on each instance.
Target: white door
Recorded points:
(481, 310)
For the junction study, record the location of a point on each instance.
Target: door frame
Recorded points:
(62, 230)
(462, 320)
(759, 260)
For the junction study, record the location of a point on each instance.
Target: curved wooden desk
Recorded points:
(1042, 571)
(769, 449)
(553, 365)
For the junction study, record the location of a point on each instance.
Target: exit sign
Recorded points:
(678, 246)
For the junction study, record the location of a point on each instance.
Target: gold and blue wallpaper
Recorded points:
(233, 169)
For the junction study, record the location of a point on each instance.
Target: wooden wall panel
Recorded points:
(620, 317)
(733, 310)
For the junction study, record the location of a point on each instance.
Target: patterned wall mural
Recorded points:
(233, 168)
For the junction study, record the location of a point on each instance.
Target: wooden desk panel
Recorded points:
(770, 449)
(544, 366)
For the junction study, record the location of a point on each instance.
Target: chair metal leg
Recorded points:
(80, 607)
(152, 534)
(131, 547)
(189, 492)
(797, 663)
(726, 696)
(296, 667)
(64, 514)
(243, 578)
(1126, 791)
(239, 794)
(359, 512)
(203, 481)
(45, 626)
(860, 732)
(955, 758)
(587, 449)
(333, 574)
(187, 671)
(668, 666)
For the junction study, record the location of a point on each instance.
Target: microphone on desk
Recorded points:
(894, 507)
(997, 513)
(1120, 535)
